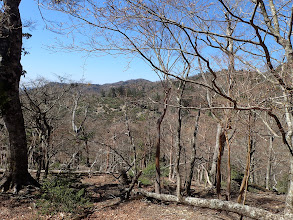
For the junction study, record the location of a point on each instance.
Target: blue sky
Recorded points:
(46, 63)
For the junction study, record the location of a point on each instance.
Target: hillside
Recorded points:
(113, 128)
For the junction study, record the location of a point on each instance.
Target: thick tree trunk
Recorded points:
(16, 174)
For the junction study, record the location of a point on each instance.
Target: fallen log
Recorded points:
(255, 186)
(244, 210)
(81, 172)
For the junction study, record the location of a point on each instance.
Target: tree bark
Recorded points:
(16, 174)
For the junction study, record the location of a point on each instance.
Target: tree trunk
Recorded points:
(171, 160)
(228, 167)
(47, 164)
(192, 163)
(215, 155)
(222, 140)
(87, 153)
(39, 160)
(178, 138)
(178, 156)
(129, 134)
(289, 198)
(16, 174)
(158, 144)
(244, 183)
(269, 165)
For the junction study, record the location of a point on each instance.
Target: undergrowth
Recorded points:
(59, 195)
(149, 173)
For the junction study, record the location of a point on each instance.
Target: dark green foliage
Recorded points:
(235, 174)
(59, 195)
(122, 91)
(149, 173)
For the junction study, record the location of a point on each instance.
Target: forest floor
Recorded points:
(105, 190)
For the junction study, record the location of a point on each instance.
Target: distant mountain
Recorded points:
(105, 87)
(129, 83)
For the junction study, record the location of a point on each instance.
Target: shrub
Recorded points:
(149, 173)
(58, 195)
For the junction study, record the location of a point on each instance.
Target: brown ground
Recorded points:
(104, 191)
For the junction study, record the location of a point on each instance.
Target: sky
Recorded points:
(43, 62)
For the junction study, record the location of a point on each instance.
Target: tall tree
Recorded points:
(16, 174)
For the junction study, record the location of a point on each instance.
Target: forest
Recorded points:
(213, 137)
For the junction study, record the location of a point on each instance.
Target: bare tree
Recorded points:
(43, 108)
(78, 123)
